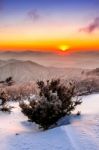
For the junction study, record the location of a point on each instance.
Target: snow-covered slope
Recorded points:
(82, 134)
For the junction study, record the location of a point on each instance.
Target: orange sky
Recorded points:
(49, 45)
(47, 38)
(46, 26)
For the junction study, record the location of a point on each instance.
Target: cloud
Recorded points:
(33, 15)
(91, 27)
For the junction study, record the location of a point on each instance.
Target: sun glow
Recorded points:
(64, 47)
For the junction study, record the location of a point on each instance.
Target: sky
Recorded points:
(49, 25)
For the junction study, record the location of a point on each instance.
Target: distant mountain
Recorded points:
(2, 62)
(6, 62)
(71, 59)
(23, 71)
(93, 72)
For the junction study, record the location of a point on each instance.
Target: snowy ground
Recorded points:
(82, 134)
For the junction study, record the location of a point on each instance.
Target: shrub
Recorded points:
(3, 98)
(19, 91)
(54, 101)
(3, 104)
(9, 81)
(6, 108)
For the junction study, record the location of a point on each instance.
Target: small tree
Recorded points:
(54, 101)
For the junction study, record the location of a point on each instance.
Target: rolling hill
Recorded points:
(24, 71)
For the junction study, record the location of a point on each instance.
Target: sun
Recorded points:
(64, 47)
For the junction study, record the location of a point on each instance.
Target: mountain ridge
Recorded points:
(22, 71)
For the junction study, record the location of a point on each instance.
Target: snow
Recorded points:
(16, 133)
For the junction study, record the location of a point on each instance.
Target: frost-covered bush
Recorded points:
(55, 101)
(3, 102)
(3, 98)
(6, 108)
(19, 91)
